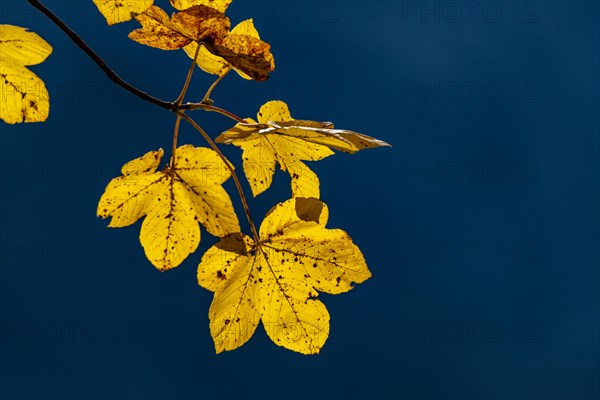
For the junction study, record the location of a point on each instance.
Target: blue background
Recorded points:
(480, 225)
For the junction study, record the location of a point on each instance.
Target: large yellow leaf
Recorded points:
(278, 138)
(173, 200)
(276, 280)
(216, 65)
(23, 95)
(116, 11)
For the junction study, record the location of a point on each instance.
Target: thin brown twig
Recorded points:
(231, 169)
(211, 108)
(112, 75)
(175, 137)
(178, 101)
(188, 79)
(99, 61)
(206, 98)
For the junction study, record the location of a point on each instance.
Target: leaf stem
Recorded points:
(207, 107)
(206, 99)
(188, 79)
(238, 185)
(177, 103)
(175, 137)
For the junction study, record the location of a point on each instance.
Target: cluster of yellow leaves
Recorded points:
(276, 280)
(275, 277)
(277, 138)
(174, 201)
(198, 23)
(23, 95)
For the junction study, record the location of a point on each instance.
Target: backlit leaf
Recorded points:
(116, 11)
(202, 24)
(158, 31)
(277, 280)
(247, 54)
(216, 65)
(23, 95)
(197, 24)
(173, 200)
(277, 138)
(220, 5)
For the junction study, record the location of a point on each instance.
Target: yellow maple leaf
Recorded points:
(116, 11)
(245, 33)
(276, 280)
(173, 200)
(23, 95)
(277, 138)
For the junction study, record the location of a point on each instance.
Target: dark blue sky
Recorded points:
(480, 225)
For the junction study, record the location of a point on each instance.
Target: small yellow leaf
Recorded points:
(276, 280)
(220, 5)
(23, 95)
(174, 201)
(158, 31)
(278, 138)
(116, 11)
(206, 60)
(246, 28)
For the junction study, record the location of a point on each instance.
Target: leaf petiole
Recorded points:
(206, 99)
(188, 79)
(229, 166)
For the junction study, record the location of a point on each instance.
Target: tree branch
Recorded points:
(112, 75)
(99, 61)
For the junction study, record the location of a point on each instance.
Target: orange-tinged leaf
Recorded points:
(116, 11)
(216, 65)
(174, 201)
(277, 138)
(195, 25)
(202, 23)
(248, 55)
(220, 5)
(276, 280)
(23, 95)
(158, 31)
